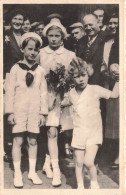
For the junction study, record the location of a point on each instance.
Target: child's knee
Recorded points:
(79, 164)
(32, 142)
(18, 141)
(52, 132)
(88, 163)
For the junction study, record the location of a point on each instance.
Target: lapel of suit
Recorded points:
(97, 42)
(14, 44)
(95, 45)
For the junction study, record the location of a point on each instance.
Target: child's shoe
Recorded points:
(35, 178)
(48, 172)
(18, 182)
(47, 167)
(56, 173)
(94, 185)
(56, 177)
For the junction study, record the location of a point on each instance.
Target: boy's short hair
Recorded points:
(37, 43)
(77, 64)
(27, 19)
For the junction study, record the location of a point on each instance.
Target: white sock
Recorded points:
(32, 165)
(17, 168)
(94, 181)
(80, 185)
(55, 163)
(47, 161)
(94, 184)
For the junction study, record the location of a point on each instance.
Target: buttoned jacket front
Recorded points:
(48, 60)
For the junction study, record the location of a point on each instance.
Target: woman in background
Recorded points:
(12, 49)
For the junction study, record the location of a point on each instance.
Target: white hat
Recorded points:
(31, 35)
(55, 22)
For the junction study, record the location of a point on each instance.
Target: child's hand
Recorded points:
(11, 119)
(115, 76)
(42, 121)
(114, 71)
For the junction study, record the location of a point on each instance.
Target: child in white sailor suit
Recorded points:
(87, 132)
(26, 104)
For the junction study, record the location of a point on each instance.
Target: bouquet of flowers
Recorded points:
(58, 80)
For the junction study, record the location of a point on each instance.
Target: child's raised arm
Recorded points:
(115, 91)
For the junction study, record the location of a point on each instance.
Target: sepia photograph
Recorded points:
(61, 96)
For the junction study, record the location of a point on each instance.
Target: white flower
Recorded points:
(7, 39)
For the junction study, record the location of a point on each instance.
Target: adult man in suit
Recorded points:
(90, 47)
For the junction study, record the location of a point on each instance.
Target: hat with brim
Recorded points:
(31, 35)
(76, 25)
(36, 24)
(54, 15)
(55, 22)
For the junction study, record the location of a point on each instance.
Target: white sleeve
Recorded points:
(102, 92)
(44, 96)
(10, 90)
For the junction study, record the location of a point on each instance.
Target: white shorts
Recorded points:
(26, 122)
(81, 142)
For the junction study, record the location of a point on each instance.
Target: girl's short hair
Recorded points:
(55, 28)
(37, 43)
(78, 65)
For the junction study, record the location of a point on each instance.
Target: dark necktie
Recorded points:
(90, 41)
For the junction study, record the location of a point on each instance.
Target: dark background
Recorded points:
(71, 12)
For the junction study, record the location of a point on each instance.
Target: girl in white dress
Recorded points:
(87, 132)
(26, 105)
(49, 57)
